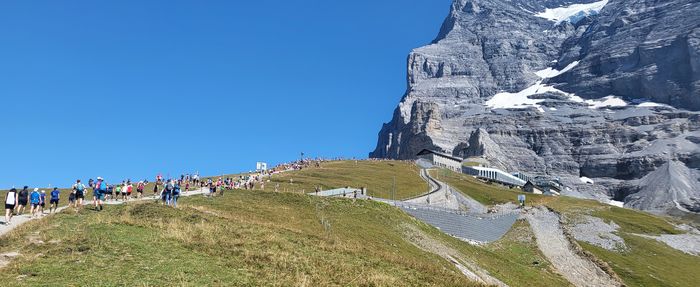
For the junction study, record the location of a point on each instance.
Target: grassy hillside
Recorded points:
(290, 239)
(646, 262)
(514, 259)
(377, 176)
(244, 238)
(485, 193)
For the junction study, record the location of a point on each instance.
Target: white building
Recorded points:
(493, 174)
(442, 160)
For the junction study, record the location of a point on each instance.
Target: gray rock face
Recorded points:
(673, 185)
(479, 90)
(639, 49)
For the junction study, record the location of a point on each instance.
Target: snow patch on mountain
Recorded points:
(651, 105)
(521, 99)
(572, 13)
(551, 72)
(609, 101)
(605, 102)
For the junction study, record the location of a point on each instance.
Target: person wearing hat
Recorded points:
(10, 203)
(34, 200)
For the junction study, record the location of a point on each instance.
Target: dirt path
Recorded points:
(554, 245)
(470, 269)
(24, 218)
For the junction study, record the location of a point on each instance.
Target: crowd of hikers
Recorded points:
(16, 201)
(166, 191)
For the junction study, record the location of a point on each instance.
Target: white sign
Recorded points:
(261, 166)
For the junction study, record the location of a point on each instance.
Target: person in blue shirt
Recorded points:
(55, 193)
(99, 192)
(167, 193)
(42, 202)
(34, 200)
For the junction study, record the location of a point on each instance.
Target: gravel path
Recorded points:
(554, 245)
(595, 231)
(469, 203)
(439, 194)
(688, 243)
(24, 218)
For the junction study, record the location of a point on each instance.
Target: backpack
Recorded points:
(80, 187)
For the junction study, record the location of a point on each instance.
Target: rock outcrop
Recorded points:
(606, 90)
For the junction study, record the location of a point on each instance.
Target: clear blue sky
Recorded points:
(127, 89)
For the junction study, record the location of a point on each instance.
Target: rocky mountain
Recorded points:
(606, 90)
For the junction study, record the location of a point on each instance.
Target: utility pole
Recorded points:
(393, 189)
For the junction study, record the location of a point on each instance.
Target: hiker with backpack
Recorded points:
(55, 193)
(176, 194)
(167, 192)
(79, 190)
(99, 193)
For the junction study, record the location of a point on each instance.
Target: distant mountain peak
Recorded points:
(601, 89)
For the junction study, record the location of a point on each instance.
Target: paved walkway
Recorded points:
(18, 220)
(442, 195)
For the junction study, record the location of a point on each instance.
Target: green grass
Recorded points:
(485, 193)
(646, 262)
(264, 238)
(245, 238)
(515, 259)
(650, 263)
(631, 221)
(377, 176)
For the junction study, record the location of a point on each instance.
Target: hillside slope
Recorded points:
(290, 239)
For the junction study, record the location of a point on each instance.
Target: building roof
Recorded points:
(429, 151)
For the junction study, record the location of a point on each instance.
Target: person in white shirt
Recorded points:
(10, 203)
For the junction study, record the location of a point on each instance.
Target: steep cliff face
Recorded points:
(639, 49)
(598, 89)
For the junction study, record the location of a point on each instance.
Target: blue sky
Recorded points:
(128, 89)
